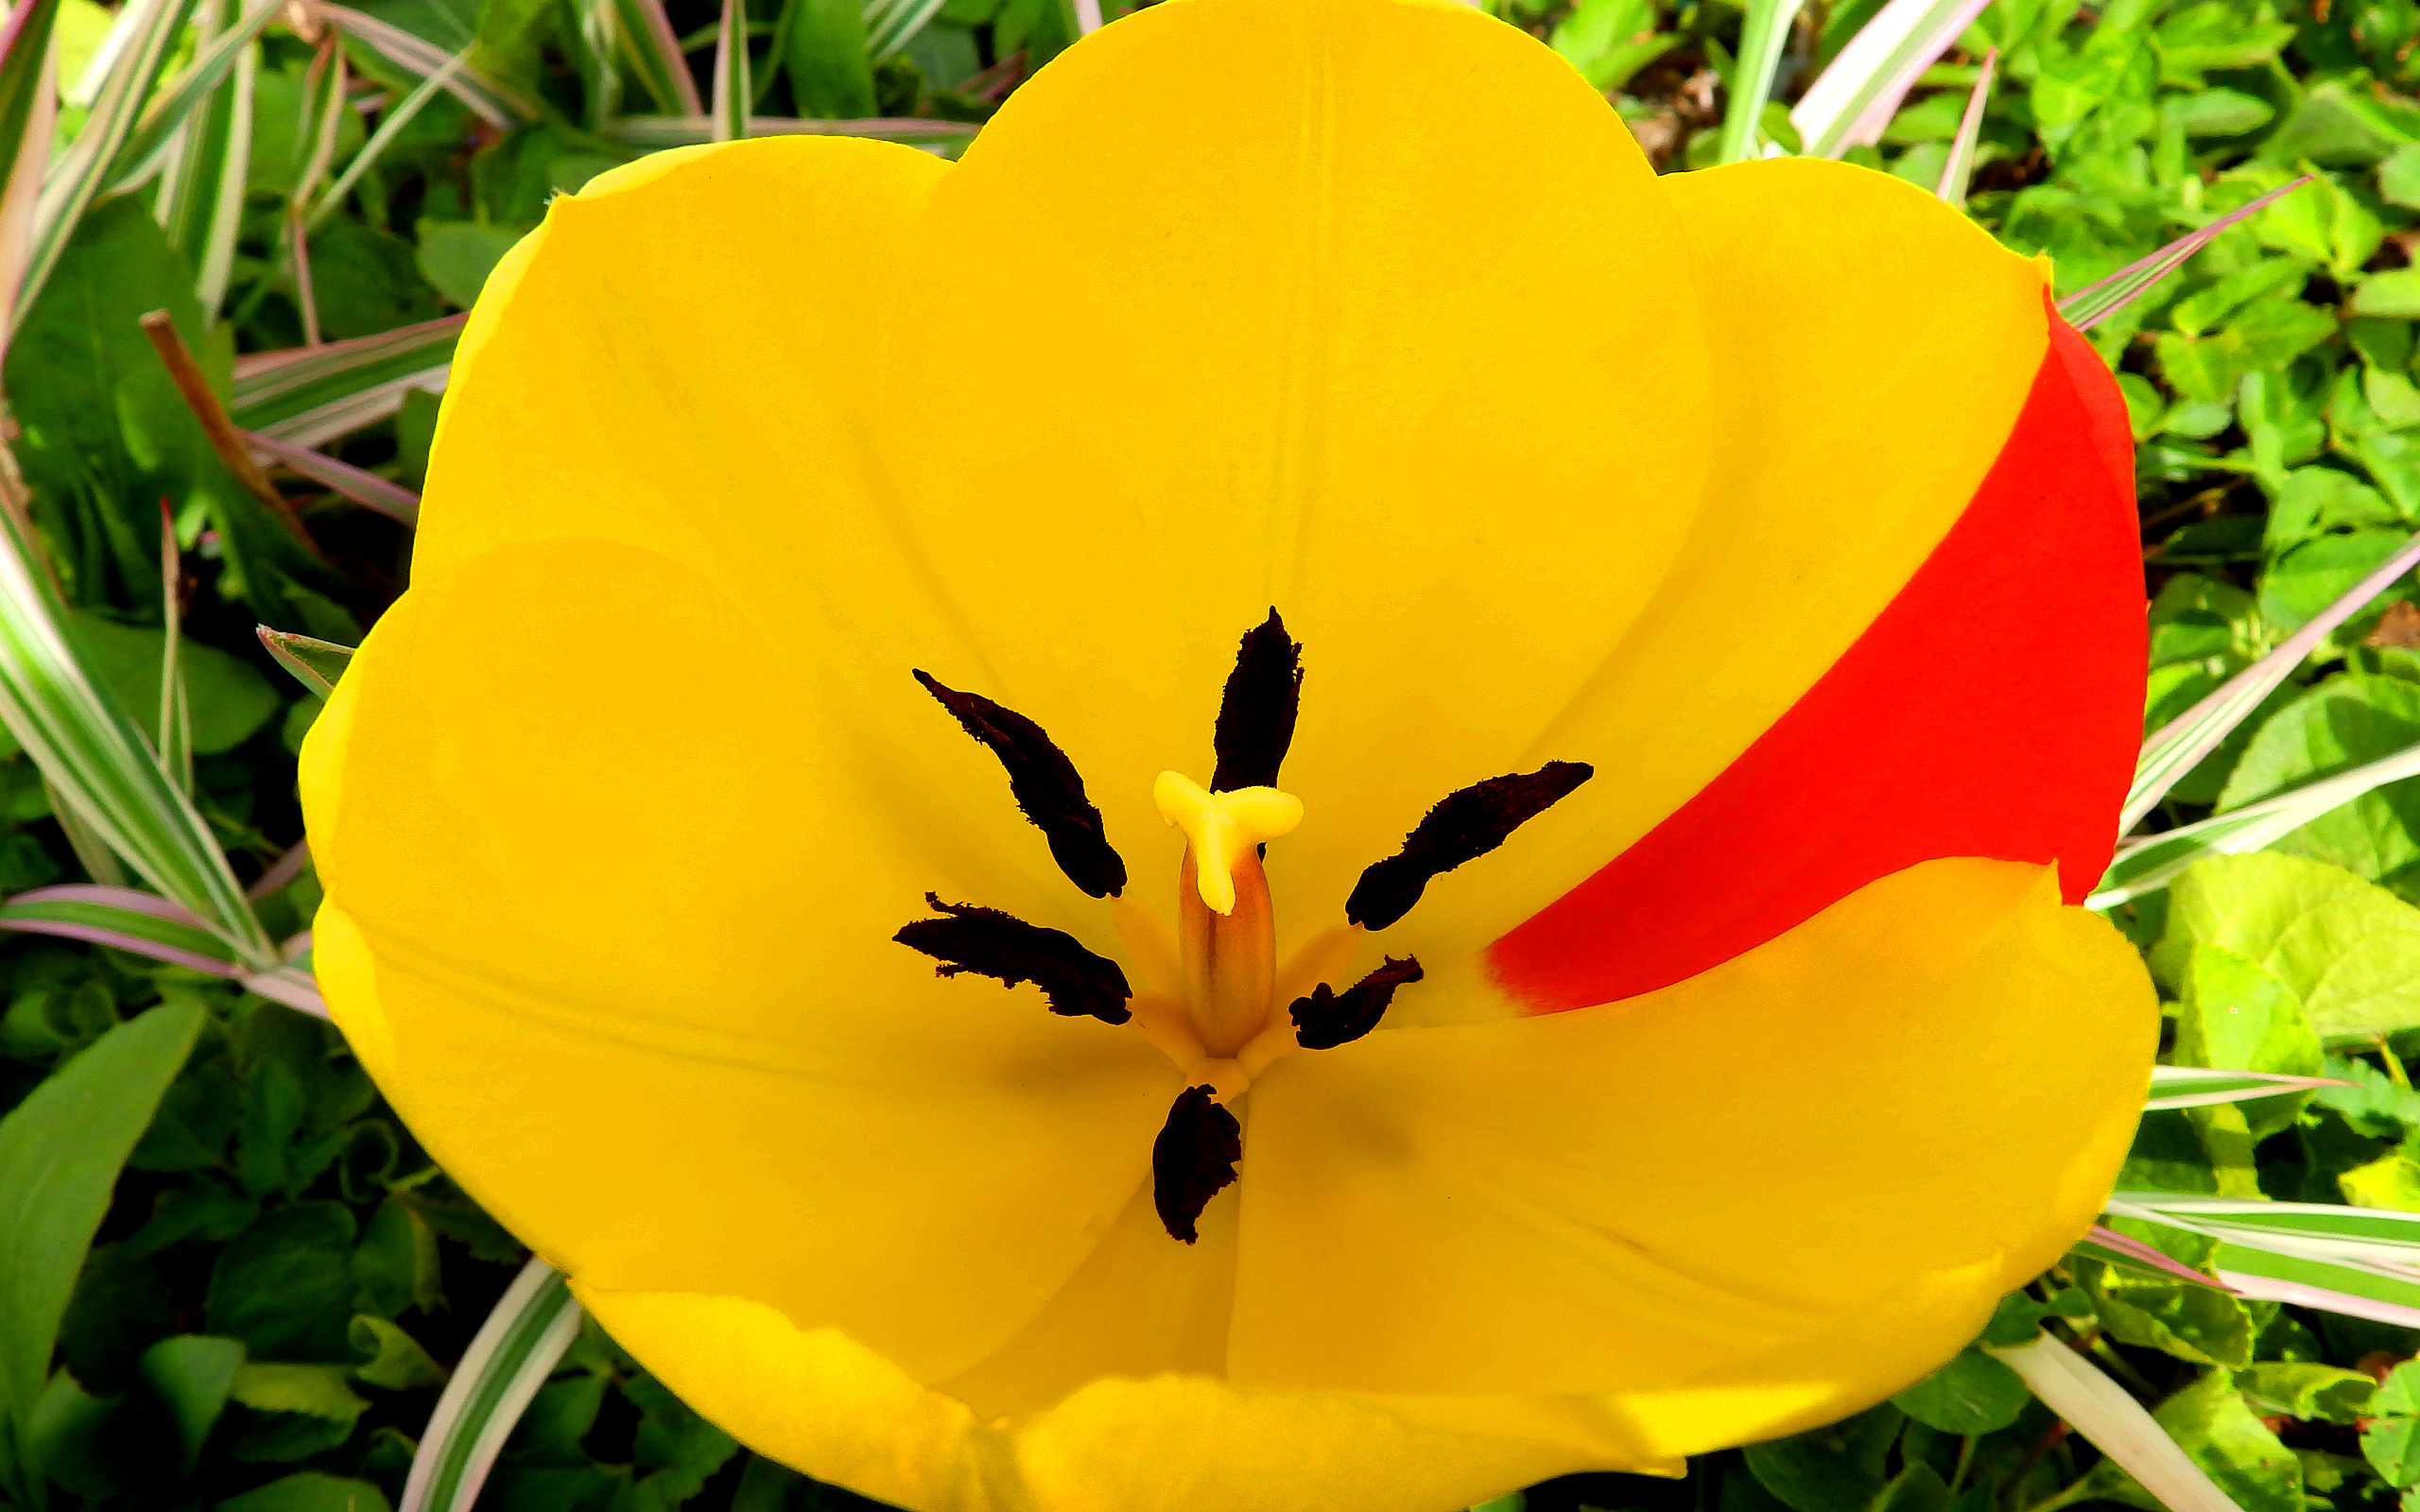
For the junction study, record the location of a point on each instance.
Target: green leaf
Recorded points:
(2307, 1392)
(456, 256)
(284, 1286)
(229, 699)
(2334, 127)
(2399, 176)
(1972, 1394)
(2344, 723)
(2195, 1323)
(2393, 294)
(1838, 1469)
(60, 1150)
(396, 1362)
(309, 1492)
(1917, 1488)
(830, 74)
(2233, 1014)
(191, 1375)
(319, 1390)
(2340, 944)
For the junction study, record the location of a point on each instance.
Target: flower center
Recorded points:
(1223, 1029)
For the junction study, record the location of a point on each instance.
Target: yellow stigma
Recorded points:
(1221, 828)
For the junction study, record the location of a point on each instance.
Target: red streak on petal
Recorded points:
(1993, 709)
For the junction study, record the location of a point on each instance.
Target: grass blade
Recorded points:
(2113, 1248)
(122, 919)
(1762, 31)
(2116, 1424)
(77, 178)
(368, 489)
(1960, 170)
(173, 109)
(651, 131)
(2321, 1232)
(2090, 305)
(1850, 101)
(307, 395)
(316, 664)
(734, 90)
(96, 762)
(890, 24)
(2194, 1087)
(2150, 864)
(176, 713)
(510, 1358)
(29, 107)
(2176, 748)
(491, 101)
(61, 1152)
(653, 52)
(389, 127)
(224, 438)
(2356, 1291)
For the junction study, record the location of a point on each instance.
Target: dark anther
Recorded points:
(1194, 1157)
(1045, 784)
(1327, 1018)
(1257, 713)
(991, 943)
(1464, 827)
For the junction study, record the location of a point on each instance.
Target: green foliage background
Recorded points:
(283, 1276)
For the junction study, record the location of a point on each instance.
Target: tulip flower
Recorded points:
(1294, 793)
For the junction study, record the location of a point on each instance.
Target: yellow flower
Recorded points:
(1699, 623)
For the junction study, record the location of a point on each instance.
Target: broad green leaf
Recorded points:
(1972, 1394)
(229, 699)
(2391, 1182)
(2342, 946)
(2334, 127)
(2399, 176)
(317, 1389)
(284, 1286)
(2345, 722)
(2233, 1014)
(2309, 1392)
(456, 256)
(190, 1375)
(1608, 40)
(826, 59)
(309, 1492)
(396, 1361)
(1838, 1469)
(2393, 294)
(2196, 1323)
(60, 1151)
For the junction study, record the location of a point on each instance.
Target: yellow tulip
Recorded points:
(1699, 621)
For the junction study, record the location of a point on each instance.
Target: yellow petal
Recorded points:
(612, 922)
(1872, 349)
(1367, 310)
(1936, 1075)
(823, 1403)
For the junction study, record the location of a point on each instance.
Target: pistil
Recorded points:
(1226, 935)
